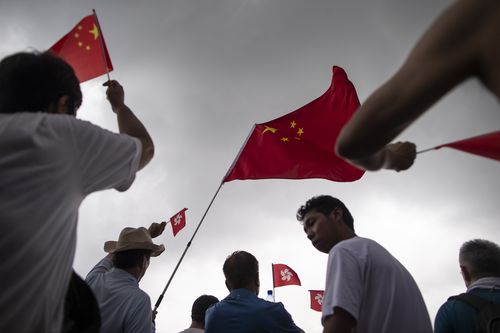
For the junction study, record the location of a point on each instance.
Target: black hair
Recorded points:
(325, 204)
(130, 258)
(31, 82)
(240, 269)
(200, 306)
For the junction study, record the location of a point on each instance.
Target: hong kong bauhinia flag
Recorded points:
(84, 49)
(316, 299)
(178, 221)
(284, 276)
(486, 145)
(301, 144)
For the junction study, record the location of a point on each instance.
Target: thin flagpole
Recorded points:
(272, 270)
(101, 42)
(184, 253)
(428, 149)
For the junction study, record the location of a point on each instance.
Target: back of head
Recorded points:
(200, 306)
(30, 82)
(325, 204)
(241, 269)
(481, 257)
(131, 258)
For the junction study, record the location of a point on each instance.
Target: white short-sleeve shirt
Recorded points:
(364, 279)
(48, 164)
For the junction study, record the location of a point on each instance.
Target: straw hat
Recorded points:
(134, 239)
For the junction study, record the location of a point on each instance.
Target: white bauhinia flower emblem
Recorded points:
(319, 299)
(286, 275)
(177, 219)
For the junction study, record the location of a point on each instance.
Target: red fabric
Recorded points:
(178, 221)
(316, 299)
(487, 145)
(301, 144)
(81, 48)
(284, 276)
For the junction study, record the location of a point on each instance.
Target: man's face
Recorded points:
(321, 229)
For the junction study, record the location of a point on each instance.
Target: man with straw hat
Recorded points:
(115, 280)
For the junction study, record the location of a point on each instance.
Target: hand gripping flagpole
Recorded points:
(101, 43)
(184, 253)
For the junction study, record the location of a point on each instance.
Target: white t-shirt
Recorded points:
(365, 280)
(48, 164)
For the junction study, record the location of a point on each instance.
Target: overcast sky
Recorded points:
(200, 73)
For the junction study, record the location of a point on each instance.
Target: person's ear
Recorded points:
(336, 214)
(466, 275)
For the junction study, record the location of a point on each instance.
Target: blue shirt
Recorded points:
(124, 307)
(455, 316)
(243, 312)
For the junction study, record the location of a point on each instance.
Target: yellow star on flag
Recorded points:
(300, 131)
(94, 32)
(269, 129)
(293, 124)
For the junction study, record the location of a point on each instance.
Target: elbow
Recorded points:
(148, 152)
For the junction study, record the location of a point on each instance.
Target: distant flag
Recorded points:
(84, 49)
(284, 276)
(178, 221)
(486, 145)
(316, 299)
(301, 144)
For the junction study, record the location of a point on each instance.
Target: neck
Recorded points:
(197, 324)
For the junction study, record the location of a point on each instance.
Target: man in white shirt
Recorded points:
(49, 162)
(200, 306)
(367, 289)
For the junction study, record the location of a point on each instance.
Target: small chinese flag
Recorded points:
(301, 144)
(486, 145)
(178, 221)
(316, 299)
(284, 276)
(84, 49)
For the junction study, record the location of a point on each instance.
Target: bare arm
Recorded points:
(340, 322)
(128, 123)
(446, 55)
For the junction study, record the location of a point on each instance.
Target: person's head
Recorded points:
(133, 250)
(326, 222)
(32, 82)
(479, 258)
(241, 270)
(200, 306)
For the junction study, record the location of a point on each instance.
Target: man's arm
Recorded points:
(339, 322)
(128, 123)
(446, 55)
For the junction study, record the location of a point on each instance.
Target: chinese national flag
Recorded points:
(178, 221)
(316, 299)
(486, 145)
(301, 144)
(82, 49)
(284, 276)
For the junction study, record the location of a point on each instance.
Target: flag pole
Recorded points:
(101, 43)
(428, 149)
(184, 253)
(272, 270)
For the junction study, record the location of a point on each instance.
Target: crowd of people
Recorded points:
(44, 146)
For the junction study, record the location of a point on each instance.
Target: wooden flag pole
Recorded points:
(158, 302)
(101, 42)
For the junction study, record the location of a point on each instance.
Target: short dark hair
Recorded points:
(240, 269)
(482, 258)
(130, 258)
(325, 204)
(30, 82)
(200, 306)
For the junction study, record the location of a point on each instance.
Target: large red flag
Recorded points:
(316, 299)
(178, 221)
(301, 144)
(284, 276)
(84, 49)
(487, 145)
